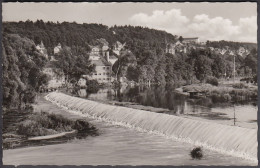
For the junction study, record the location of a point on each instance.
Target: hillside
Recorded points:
(69, 34)
(150, 62)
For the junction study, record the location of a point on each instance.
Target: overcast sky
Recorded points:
(208, 21)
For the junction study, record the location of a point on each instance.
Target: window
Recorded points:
(104, 73)
(104, 67)
(95, 73)
(107, 73)
(99, 74)
(108, 79)
(104, 79)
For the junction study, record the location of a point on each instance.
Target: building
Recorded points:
(94, 53)
(242, 51)
(57, 49)
(102, 72)
(170, 48)
(42, 49)
(231, 53)
(117, 47)
(211, 48)
(176, 47)
(112, 59)
(223, 51)
(191, 40)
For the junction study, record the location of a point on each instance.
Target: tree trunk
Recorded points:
(117, 72)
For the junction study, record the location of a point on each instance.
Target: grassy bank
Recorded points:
(21, 125)
(41, 124)
(225, 93)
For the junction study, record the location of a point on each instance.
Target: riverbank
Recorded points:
(40, 124)
(246, 116)
(115, 145)
(238, 92)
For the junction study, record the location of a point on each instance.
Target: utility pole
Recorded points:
(234, 68)
(233, 84)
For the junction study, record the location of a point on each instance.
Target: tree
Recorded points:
(22, 70)
(125, 60)
(73, 63)
(251, 61)
(218, 66)
(181, 39)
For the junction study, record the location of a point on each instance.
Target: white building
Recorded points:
(117, 47)
(191, 40)
(42, 49)
(57, 49)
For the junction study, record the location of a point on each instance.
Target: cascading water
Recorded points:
(237, 141)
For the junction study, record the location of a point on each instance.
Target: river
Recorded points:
(115, 145)
(244, 115)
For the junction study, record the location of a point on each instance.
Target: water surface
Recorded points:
(240, 114)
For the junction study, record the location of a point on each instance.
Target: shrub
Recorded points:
(212, 80)
(46, 124)
(92, 86)
(196, 153)
(240, 85)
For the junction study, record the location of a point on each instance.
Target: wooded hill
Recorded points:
(73, 34)
(148, 63)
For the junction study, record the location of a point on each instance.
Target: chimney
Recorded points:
(107, 56)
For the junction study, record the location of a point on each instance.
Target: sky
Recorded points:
(208, 21)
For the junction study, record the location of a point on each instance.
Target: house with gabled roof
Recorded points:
(57, 49)
(117, 47)
(42, 49)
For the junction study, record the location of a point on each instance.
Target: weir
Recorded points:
(236, 141)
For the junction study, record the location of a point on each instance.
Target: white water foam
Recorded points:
(235, 141)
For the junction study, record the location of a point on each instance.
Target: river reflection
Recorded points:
(176, 103)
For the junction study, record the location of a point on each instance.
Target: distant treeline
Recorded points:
(233, 45)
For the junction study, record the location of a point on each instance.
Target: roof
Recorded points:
(112, 57)
(191, 38)
(101, 62)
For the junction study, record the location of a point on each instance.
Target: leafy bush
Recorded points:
(196, 153)
(212, 80)
(92, 86)
(46, 124)
(220, 97)
(240, 85)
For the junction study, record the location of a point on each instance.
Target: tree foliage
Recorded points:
(73, 62)
(22, 70)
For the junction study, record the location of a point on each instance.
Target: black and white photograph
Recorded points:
(159, 83)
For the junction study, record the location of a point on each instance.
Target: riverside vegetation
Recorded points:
(239, 92)
(30, 124)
